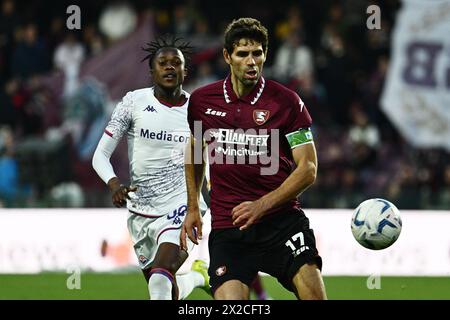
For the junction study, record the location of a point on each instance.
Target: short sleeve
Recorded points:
(299, 117)
(121, 118)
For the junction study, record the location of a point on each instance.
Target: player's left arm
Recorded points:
(305, 157)
(297, 182)
(304, 175)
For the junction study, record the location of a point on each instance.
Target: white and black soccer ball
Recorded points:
(376, 224)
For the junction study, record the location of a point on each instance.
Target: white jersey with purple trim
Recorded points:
(157, 135)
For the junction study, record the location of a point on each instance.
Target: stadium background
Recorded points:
(58, 88)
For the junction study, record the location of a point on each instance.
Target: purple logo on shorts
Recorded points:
(143, 259)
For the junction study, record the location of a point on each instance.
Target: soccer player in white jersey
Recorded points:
(154, 121)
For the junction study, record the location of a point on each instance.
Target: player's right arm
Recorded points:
(120, 122)
(194, 172)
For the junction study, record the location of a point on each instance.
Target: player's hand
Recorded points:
(247, 212)
(120, 194)
(192, 227)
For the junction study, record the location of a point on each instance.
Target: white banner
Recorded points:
(36, 240)
(421, 250)
(416, 95)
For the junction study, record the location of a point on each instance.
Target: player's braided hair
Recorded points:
(167, 41)
(245, 28)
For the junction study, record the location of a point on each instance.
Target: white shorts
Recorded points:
(148, 232)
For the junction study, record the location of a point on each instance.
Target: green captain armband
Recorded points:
(297, 138)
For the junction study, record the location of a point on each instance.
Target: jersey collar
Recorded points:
(168, 104)
(251, 98)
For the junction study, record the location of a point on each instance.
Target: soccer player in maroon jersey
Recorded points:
(257, 225)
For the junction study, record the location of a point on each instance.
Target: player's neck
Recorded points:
(239, 88)
(173, 97)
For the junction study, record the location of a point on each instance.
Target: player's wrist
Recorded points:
(114, 184)
(263, 205)
(193, 208)
(193, 202)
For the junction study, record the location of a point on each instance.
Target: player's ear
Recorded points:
(226, 56)
(185, 72)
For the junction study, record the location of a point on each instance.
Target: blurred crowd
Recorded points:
(55, 98)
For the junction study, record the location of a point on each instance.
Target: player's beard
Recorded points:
(249, 82)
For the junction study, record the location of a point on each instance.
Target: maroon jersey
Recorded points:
(246, 136)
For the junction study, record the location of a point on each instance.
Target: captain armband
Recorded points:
(302, 136)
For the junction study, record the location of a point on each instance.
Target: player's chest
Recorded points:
(161, 127)
(157, 117)
(240, 114)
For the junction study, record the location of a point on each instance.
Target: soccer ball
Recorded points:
(376, 224)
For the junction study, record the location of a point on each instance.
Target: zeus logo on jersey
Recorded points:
(244, 138)
(215, 113)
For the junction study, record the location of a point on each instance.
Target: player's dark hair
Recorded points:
(245, 28)
(167, 41)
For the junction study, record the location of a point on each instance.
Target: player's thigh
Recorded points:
(292, 246)
(232, 264)
(167, 238)
(157, 238)
(169, 256)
